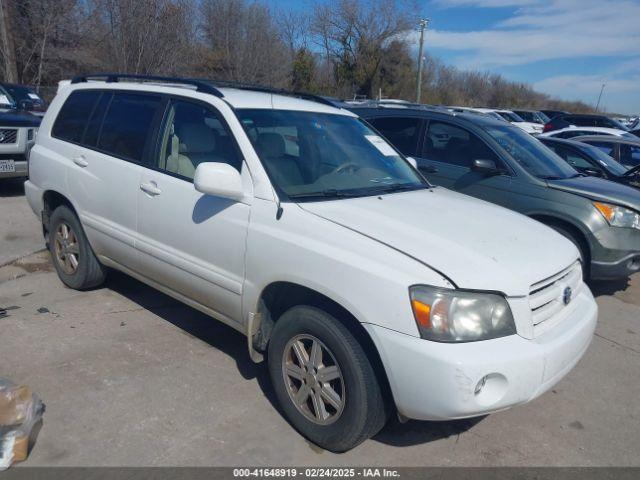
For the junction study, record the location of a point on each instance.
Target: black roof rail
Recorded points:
(205, 85)
(201, 86)
(278, 91)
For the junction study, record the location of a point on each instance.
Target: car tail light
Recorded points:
(547, 127)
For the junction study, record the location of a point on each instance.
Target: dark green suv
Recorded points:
(497, 162)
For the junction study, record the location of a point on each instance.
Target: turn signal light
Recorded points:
(422, 312)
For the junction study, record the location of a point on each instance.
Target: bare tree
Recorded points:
(8, 47)
(353, 34)
(243, 43)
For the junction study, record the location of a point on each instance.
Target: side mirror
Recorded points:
(413, 162)
(592, 172)
(25, 105)
(485, 166)
(218, 180)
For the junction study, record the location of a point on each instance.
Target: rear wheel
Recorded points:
(73, 258)
(323, 380)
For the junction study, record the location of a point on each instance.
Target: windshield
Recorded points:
(543, 117)
(605, 160)
(20, 93)
(310, 155)
(511, 117)
(619, 125)
(530, 153)
(5, 99)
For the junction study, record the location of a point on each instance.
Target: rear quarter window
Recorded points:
(74, 115)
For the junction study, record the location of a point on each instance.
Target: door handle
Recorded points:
(80, 161)
(151, 188)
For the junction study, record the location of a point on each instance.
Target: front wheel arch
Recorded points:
(573, 233)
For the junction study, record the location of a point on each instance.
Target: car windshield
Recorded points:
(5, 99)
(20, 93)
(310, 155)
(543, 117)
(605, 160)
(510, 116)
(619, 125)
(529, 152)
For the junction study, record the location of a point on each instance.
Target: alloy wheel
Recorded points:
(313, 379)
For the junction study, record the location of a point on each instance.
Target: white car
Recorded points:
(371, 290)
(573, 131)
(514, 119)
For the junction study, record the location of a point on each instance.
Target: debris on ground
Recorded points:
(20, 411)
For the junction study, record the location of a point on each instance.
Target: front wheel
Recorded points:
(323, 380)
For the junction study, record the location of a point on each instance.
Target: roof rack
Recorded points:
(278, 91)
(205, 85)
(200, 86)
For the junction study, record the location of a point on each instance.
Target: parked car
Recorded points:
(22, 98)
(293, 222)
(553, 113)
(577, 120)
(493, 161)
(571, 132)
(533, 116)
(593, 161)
(509, 116)
(625, 150)
(17, 136)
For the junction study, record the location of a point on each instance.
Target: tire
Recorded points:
(359, 414)
(73, 258)
(584, 255)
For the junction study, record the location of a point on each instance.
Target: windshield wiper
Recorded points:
(550, 177)
(329, 193)
(632, 171)
(399, 187)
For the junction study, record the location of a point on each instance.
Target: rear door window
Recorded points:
(454, 145)
(402, 132)
(127, 124)
(630, 155)
(74, 115)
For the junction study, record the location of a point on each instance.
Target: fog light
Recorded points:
(480, 385)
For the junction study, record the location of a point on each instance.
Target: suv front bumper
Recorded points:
(615, 253)
(440, 381)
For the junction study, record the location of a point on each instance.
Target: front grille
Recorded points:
(547, 298)
(8, 135)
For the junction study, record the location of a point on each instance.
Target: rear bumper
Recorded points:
(439, 381)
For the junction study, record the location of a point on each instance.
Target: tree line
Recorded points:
(340, 48)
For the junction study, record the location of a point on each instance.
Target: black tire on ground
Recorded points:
(363, 413)
(89, 272)
(584, 254)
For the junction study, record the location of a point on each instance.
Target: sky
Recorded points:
(566, 48)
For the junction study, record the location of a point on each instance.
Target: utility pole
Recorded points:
(424, 23)
(8, 47)
(600, 97)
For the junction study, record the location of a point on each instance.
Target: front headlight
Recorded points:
(460, 316)
(618, 216)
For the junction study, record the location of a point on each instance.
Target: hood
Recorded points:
(18, 119)
(599, 189)
(475, 244)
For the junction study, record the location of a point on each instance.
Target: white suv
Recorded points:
(369, 290)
